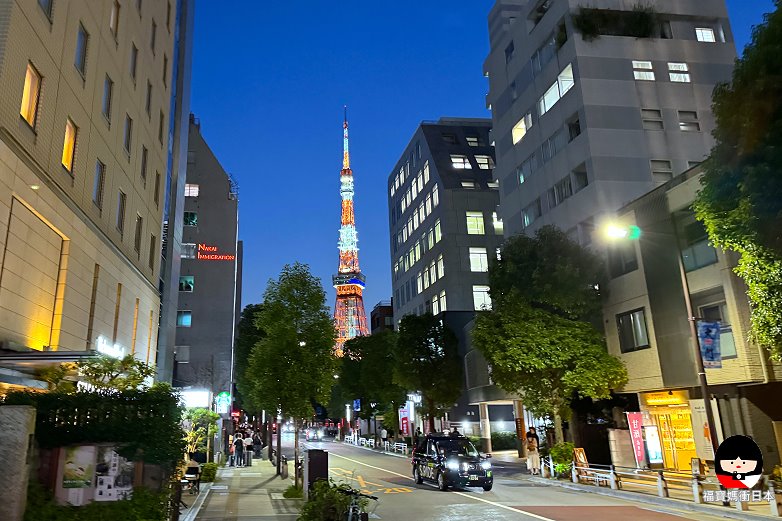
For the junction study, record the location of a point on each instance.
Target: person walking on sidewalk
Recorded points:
(238, 450)
(384, 434)
(533, 457)
(248, 449)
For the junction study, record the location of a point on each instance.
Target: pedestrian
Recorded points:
(230, 450)
(455, 432)
(248, 449)
(384, 435)
(238, 450)
(532, 435)
(533, 457)
(417, 436)
(257, 445)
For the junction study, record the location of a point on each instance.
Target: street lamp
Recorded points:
(614, 232)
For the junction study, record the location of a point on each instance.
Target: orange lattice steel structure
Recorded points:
(350, 318)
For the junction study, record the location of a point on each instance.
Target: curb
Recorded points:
(655, 500)
(195, 508)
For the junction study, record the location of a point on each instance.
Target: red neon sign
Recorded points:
(209, 252)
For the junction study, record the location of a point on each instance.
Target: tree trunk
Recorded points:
(296, 452)
(269, 437)
(279, 447)
(559, 435)
(430, 414)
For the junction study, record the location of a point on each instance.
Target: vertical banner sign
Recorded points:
(709, 338)
(635, 421)
(404, 422)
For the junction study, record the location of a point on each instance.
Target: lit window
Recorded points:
(121, 200)
(479, 259)
(688, 121)
(484, 162)
(191, 219)
(133, 61)
(520, 129)
(564, 83)
(440, 266)
(128, 135)
(184, 318)
(98, 184)
(460, 162)
(69, 145)
(480, 298)
(426, 172)
(473, 141)
(704, 34)
(114, 19)
(678, 72)
(30, 95)
(632, 331)
(475, 223)
(468, 184)
(108, 91)
(191, 190)
(531, 212)
(443, 307)
(82, 38)
(186, 283)
(188, 250)
(642, 70)
(493, 184)
(437, 231)
(497, 223)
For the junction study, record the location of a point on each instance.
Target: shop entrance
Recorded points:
(669, 414)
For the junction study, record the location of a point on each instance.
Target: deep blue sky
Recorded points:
(269, 85)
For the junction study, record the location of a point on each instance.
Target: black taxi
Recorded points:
(451, 461)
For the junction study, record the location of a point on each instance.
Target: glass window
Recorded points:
(157, 188)
(153, 36)
(138, 234)
(161, 127)
(652, 119)
(69, 145)
(191, 190)
(678, 72)
(704, 34)
(480, 298)
(475, 223)
(98, 184)
(165, 70)
(564, 83)
(696, 250)
(82, 39)
(497, 223)
(121, 200)
(128, 134)
(473, 141)
(662, 170)
(468, 184)
(191, 219)
(621, 258)
(437, 232)
(46, 6)
(114, 19)
(443, 307)
(30, 95)
(144, 159)
(484, 162)
(182, 354)
(531, 212)
(642, 70)
(133, 61)
(152, 251)
(479, 259)
(184, 318)
(460, 162)
(186, 283)
(188, 250)
(632, 331)
(440, 266)
(108, 89)
(521, 127)
(718, 312)
(148, 102)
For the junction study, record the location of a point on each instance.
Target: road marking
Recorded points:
(475, 498)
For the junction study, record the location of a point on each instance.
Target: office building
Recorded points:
(85, 125)
(647, 328)
(208, 291)
(382, 317)
(585, 123)
(443, 230)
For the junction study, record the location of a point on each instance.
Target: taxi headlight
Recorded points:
(452, 465)
(485, 465)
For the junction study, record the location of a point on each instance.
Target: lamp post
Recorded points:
(618, 232)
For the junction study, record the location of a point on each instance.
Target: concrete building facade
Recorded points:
(207, 286)
(647, 328)
(84, 120)
(584, 124)
(382, 317)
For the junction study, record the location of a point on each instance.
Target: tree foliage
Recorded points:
(199, 424)
(426, 359)
(539, 338)
(105, 372)
(740, 202)
(248, 334)
(293, 364)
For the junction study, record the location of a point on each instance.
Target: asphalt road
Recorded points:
(512, 498)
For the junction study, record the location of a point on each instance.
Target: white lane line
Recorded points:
(475, 498)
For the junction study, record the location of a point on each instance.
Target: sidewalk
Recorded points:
(249, 494)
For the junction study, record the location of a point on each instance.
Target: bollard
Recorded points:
(697, 490)
(574, 473)
(774, 503)
(614, 479)
(662, 486)
(552, 470)
(284, 468)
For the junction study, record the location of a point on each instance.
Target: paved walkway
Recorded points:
(249, 494)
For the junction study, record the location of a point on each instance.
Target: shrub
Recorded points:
(503, 440)
(208, 472)
(325, 503)
(562, 453)
(293, 492)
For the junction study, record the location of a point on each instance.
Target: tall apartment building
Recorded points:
(584, 124)
(84, 139)
(444, 227)
(210, 259)
(647, 328)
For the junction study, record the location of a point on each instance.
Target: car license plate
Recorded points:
(473, 477)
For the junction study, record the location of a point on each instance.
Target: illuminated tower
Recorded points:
(349, 315)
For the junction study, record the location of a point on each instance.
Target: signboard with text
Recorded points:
(404, 422)
(709, 339)
(635, 422)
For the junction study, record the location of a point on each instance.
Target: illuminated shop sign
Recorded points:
(103, 346)
(209, 252)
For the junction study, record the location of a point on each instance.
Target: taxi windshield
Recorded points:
(459, 447)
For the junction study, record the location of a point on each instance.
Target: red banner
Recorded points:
(635, 422)
(405, 426)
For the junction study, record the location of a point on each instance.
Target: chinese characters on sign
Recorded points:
(754, 496)
(404, 421)
(635, 422)
(709, 338)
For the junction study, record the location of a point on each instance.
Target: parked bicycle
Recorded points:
(357, 508)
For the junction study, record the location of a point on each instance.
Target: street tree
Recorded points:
(200, 425)
(293, 365)
(248, 334)
(367, 373)
(426, 359)
(540, 338)
(106, 372)
(740, 201)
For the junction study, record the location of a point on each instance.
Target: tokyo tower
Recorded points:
(350, 318)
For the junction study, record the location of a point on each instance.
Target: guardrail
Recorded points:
(387, 446)
(697, 487)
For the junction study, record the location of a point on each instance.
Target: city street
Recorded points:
(511, 498)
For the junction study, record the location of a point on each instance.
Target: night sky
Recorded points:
(269, 84)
